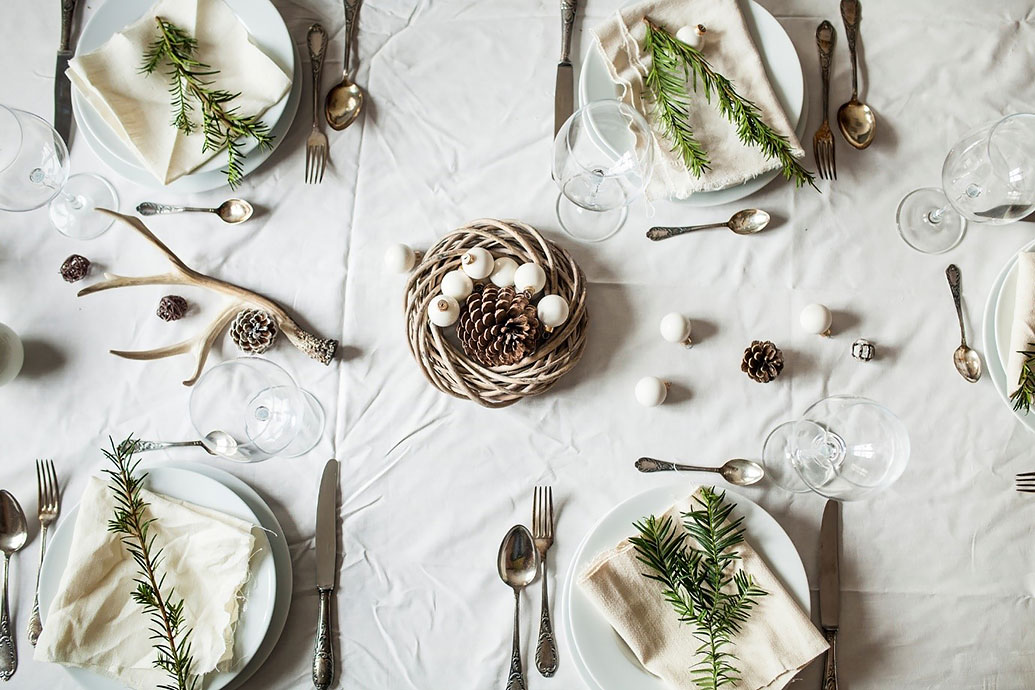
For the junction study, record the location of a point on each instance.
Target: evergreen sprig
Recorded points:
(190, 83)
(1024, 396)
(169, 637)
(675, 66)
(701, 582)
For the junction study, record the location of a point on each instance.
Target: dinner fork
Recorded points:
(542, 536)
(1026, 482)
(316, 144)
(823, 141)
(49, 507)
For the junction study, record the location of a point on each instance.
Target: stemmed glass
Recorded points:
(988, 177)
(34, 172)
(602, 160)
(844, 447)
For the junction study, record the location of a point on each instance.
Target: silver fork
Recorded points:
(542, 535)
(49, 507)
(823, 141)
(1026, 482)
(316, 144)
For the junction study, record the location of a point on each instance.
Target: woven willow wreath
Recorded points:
(445, 364)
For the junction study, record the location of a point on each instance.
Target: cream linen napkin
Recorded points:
(1022, 334)
(777, 641)
(93, 623)
(137, 107)
(730, 50)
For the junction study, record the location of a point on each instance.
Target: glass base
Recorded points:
(73, 210)
(777, 459)
(310, 429)
(927, 223)
(589, 226)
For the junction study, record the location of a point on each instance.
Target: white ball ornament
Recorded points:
(651, 391)
(12, 354)
(529, 278)
(552, 311)
(503, 271)
(816, 318)
(400, 258)
(477, 263)
(693, 36)
(457, 284)
(443, 311)
(675, 328)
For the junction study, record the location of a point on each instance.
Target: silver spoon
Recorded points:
(518, 565)
(746, 222)
(13, 533)
(231, 211)
(345, 99)
(737, 471)
(967, 361)
(856, 121)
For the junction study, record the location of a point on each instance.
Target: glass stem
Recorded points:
(935, 217)
(40, 178)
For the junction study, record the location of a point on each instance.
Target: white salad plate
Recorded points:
(259, 594)
(783, 67)
(268, 32)
(601, 657)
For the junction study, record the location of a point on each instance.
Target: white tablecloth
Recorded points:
(937, 572)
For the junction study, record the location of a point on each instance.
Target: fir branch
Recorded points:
(169, 639)
(1024, 396)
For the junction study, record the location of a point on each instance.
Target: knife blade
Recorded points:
(830, 587)
(326, 557)
(564, 90)
(62, 87)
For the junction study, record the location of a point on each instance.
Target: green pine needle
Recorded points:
(1024, 396)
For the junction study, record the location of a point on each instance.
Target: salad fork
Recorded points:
(823, 140)
(542, 536)
(316, 144)
(1026, 482)
(49, 507)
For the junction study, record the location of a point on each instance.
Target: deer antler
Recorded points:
(320, 349)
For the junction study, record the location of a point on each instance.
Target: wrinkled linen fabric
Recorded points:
(1022, 330)
(93, 622)
(731, 52)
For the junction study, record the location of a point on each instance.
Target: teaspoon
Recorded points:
(737, 471)
(345, 99)
(967, 362)
(746, 222)
(856, 121)
(13, 534)
(518, 565)
(232, 211)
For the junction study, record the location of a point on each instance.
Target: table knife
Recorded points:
(62, 87)
(564, 92)
(326, 561)
(830, 586)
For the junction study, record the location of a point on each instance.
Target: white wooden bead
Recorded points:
(529, 277)
(816, 318)
(675, 328)
(552, 310)
(400, 258)
(457, 284)
(503, 271)
(443, 311)
(651, 391)
(477, 263)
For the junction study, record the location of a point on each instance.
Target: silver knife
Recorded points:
(564, 92)
(62, 88)
(830, 586)
(326, 561)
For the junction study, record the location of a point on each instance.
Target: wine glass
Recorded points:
(844, 447)
(988, 177)
(249, 409)
(602, 160)
(34, 172)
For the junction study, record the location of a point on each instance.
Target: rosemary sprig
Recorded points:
(222, 125)
(169, 638)
(702, 583)
(674, 65)
(1024, 396)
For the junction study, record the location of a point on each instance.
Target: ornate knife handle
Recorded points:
(546, 650)
(8, 649)
(568, 8)
(323, 655)
(67, 12)
(830, 670)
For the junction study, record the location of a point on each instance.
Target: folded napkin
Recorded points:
(1022, 334)
(730, 50)
(94, 624)
(137, 106)
(777, 641)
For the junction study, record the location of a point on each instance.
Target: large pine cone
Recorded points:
(763, 361)
(253, 330)
(498, 326)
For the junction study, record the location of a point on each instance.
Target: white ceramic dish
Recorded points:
(785, 75)
(259, 593)
(603, 660)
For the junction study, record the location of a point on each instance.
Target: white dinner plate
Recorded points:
(782, 67)
(259, 594)
(602, 658)
(268, 32)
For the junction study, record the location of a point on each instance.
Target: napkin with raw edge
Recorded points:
(137, 106)
(1022, 332)
(94, 624)
(777, 641)
(731, 52)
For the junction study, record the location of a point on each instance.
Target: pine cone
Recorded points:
(171, 308)
(763, 361)
(253, 330)
(498, 326)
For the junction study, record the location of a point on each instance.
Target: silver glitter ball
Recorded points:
(864, 350)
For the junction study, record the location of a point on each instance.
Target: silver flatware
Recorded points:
(145, 446)
(49, 506)
(1026, 482)
(13, 533)
(564, 89)
(316, 143)
(830, 586)
(62, 87)
(326, 567)
(518, 564)
(823, 140)
(967, 361)
(855, 119)
(746, 222)
(542, 536)
(231, 211)
(737, 471)
(345, 99)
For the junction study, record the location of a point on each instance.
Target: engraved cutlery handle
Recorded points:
(516, 678)
(825, 43)
(654, 465)
(952, 274)
(67, 12)
(663, 233)
(323, 655)
(351, 11)
(150, 208)
(35, 623)
(546, 650)
(144, 446)
(850, 15)
(316, 40)
(568, 8)
(8, 648)
(830, 669)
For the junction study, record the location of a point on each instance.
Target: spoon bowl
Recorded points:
(235, 211)
(518, 561)
(344, 102)
(13, 528)
(749, 221)
(857, 123)
(968, 363)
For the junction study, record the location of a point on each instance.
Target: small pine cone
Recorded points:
(498, 326)
(75, 268)
(253, 331)
(762, 362)
(172, 308)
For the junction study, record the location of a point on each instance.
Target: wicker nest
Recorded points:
(441, 359)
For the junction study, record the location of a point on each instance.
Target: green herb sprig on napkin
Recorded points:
(1024, 396)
